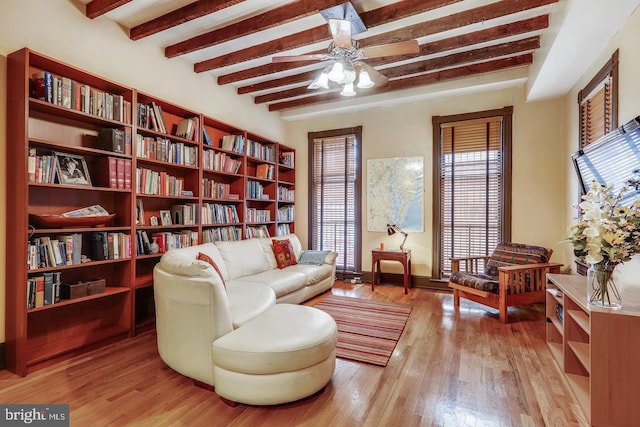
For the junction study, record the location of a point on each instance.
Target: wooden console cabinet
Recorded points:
(596, 349)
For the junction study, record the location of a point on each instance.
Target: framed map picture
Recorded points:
(395, 193)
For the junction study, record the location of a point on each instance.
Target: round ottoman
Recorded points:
(284, 354)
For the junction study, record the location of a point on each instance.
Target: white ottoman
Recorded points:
(282, 355)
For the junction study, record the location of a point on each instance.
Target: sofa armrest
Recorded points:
(550, 265)
(331, 258)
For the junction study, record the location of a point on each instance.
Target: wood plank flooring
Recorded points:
(448, 369)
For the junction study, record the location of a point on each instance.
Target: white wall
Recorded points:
(59, 29)
(626, 40)
(539, 164)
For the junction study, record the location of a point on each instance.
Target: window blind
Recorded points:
(470, 188)
(596, 111)
(335, 198)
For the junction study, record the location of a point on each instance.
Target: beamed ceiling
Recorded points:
(234, 41)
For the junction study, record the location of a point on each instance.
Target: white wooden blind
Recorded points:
(470, 189)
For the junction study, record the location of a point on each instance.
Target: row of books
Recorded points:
(118, 172)
(220, 162)
(150, 116)
(228, 233)
(233, 143)
(256, 231)
(68, 93)
(217, 190)
(255, 190)
(265, 171)
(283, 230)
(257, 215)
(286, 194)
(43, 289)
(42, 168)
(164, 150)
(164, 240)
(110, 245)
(261, 151)
(286, 213)
(47, 251)
(215, 213)
(287, 158)
(185, 214)
(157, 183)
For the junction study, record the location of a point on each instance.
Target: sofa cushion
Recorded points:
(313, 257)
(282, 282)
(481, 282)
(509, 253)
(206, 258)
(243, 257)
(313, 273)
(283, 252)
(268, 250)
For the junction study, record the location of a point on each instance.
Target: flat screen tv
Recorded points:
(613, 159)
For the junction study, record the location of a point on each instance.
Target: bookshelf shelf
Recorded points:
(202, 165)
(594, 350)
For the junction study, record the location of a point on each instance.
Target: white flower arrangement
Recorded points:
(606, 231)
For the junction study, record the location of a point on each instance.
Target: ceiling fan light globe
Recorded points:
(337, 73)
(322, 81)
(364, 80)
(348, 90)
(349, 77)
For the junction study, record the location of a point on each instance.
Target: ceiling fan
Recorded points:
(348, 56)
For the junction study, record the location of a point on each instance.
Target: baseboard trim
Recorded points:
(423, 282)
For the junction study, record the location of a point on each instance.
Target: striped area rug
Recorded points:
(368, 330)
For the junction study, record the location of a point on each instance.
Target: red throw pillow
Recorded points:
(207, 258)
(283, 251)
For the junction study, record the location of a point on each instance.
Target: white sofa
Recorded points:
(195, 307)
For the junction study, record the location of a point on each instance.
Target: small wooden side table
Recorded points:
(403, 257)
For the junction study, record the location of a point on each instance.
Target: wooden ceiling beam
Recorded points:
(179, 16)
(446, 23)
(266, 20)
(456, 42)
(96, 8)
(421, 67)
(370, 19)
(420, 80)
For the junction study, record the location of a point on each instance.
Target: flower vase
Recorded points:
(603, 285)
(155, 248)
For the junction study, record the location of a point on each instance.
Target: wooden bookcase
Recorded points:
(595, 349)
(180, 164)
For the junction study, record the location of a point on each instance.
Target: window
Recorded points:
(472, 185)
(335, 195)
(598, 103)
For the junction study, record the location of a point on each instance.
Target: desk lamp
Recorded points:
(393, 229)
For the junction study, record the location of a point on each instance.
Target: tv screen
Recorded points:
(611, 160)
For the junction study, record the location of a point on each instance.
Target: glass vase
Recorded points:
(603, 285)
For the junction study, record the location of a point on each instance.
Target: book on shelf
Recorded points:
(205, 136)
(287, 158)
(111, 140)
(187, 128)
(39, 291)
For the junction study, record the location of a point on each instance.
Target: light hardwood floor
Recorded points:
(448, 369)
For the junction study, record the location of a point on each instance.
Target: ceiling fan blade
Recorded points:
(400, 48)
(295, 58)
(378, 79)
(341, 32)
